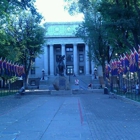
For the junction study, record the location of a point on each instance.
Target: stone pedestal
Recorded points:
(61, 83)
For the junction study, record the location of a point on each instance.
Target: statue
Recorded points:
(61, 66)
(61, 82)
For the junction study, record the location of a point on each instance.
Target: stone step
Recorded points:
(61, 92)
(95, 86)
(95, 81)
(43, 87)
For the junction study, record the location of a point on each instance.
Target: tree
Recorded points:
(94, 33)
(124, 17)
(27, 39)
(9, 9)
(116, 21)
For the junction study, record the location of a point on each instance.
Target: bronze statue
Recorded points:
(61, 66)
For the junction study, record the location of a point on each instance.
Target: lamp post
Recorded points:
(43, 74)
(95, 73)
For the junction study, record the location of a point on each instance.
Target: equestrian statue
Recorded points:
(61, 66)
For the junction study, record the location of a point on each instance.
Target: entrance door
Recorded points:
(69, 70)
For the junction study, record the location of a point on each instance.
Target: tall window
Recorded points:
(69, 58)
(81, 49)
(81, 69)
(58, 49)
(81, 57)
(57, 57)
(69, 49)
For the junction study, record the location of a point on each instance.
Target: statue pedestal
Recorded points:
(61, 83)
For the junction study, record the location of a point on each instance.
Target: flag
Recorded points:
(136, 55)
(120, 69)
(139, 57)
(112, 67)
(122, 64)
(126, 63)
(132, 65)
(115, 67)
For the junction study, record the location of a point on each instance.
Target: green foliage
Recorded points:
(26, 39)
(124, 18)
(9, 10)
(110, 27)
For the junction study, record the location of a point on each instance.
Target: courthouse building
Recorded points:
(61, 40)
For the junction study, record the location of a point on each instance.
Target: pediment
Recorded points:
(61, 29)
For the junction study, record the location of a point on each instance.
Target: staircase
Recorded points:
(83, 82)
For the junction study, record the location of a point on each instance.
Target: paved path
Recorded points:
(73, 117)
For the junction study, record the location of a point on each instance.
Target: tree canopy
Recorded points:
(27, 38)
(112, 25)
(21, 34)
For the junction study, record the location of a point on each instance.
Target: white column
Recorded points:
(63, 53)
(75, 63)
(62, 49)
(46, 59)
(51, 60)
(86, 59)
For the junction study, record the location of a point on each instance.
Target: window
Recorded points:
(57, 57)
(81, 49)
(81, 69)
(81, 57)
(69, 58)
(58, 49)
(69, 49)
(33, 70)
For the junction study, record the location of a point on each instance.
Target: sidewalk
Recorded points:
(86, 116)
(45, 118)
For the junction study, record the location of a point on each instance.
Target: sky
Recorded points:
(53, 11)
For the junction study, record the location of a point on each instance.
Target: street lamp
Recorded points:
(95, 73)
(43, 74)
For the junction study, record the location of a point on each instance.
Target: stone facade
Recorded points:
(61, 40)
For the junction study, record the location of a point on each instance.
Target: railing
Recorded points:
(129, 93)
(6, 92)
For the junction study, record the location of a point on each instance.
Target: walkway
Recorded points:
(73, 117)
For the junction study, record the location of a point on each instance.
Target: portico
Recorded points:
(74, 60)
